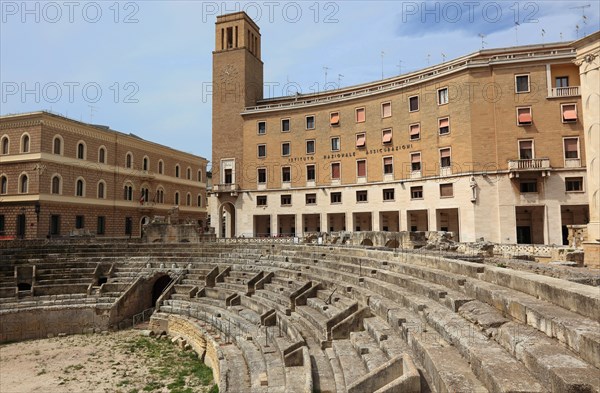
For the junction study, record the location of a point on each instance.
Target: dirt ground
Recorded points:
(122, 362)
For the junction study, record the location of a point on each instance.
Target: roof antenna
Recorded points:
(325, 68)
(583, 17)
(482, 41)
(428, 56)
(543, 34)
(517, 24)
(340, 76)
(443, 57)
(92, 110)
(399, 65)
(382, 54)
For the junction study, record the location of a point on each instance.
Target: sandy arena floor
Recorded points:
(90, 363)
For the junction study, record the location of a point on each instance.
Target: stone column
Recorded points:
(588, 60)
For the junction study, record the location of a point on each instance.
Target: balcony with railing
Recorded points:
(529, 165)
(569, 91)
(230, 188)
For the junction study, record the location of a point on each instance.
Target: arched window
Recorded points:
(25, 143)
(57, 145)
(5, 145)
(160, 196)
(128, 192)
(199, 201)
(23, 184)
(81, 151)
(3, 185)
(145, 164)
(188, 199)
(102, 155)
(145, 192)
(128, 160)
(189, 173)
(55, 185)
(160, 167)
(177, 170)
(177, 198)
(80, 188)
(101, 189)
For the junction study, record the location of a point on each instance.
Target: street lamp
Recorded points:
(38, 208)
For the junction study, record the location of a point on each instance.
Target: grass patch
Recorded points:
(180, 371)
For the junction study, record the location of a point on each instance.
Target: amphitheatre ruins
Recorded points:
(365, 311)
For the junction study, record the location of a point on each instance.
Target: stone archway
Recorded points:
(227, 218)
(143, 221)
(158, 288)
(366, 242)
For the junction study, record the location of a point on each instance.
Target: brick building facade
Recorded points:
(487, 145)
(60, 177)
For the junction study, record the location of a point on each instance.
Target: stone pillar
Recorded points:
(376, 221)
(324, 224)
(588, 60)
(299, 225)
(274, 227)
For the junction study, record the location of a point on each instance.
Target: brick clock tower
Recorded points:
(237, 84)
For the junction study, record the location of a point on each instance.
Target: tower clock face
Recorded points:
(228, 73)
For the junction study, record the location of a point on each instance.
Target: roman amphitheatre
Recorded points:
(281, 315)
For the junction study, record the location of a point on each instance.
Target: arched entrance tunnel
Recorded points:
(159, 286)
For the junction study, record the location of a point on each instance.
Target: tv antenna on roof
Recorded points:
(583, 17)
(482, 41)
(92, 110)
(382, 54)
(517, 24)
(443, 57)
(325, 68)
(340, 76)
(428, 56)
(399, 65)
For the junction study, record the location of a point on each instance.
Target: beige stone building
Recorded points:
(489, 145)
(61, 177)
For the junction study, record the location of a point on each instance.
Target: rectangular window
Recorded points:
(261, 200)
(574, 184)
(262, 151)
(100, 228)
(386, 109)
(415, 132)
(310, 147)
(561, 81)
(334, 119)
(335, 171)
(445, 157)
(310, 173)
(128, 225)
(360, 115)
(525, 150)
(569, 113)
(286, 200)
(444, 126)
(79, 222)
(522, 83)
(571, 147)
(361, 168)
(311, 199)
(361, 196)
(446, 190)
(2, 225)
(262, 175)
(386, 136)
(442, 95)
(524, 117)
(285, 125)
(55, 224)
(310, 122)
(335, 143)
(336, 197)
(526, 186)
(286, 174)
(361, 140)
(262, 127)
(416, 192)
(388, 194)
(285, 149)
(413, 103)
(388, 165)
(415, 161)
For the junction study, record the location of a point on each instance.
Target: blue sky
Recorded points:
(142, 66)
